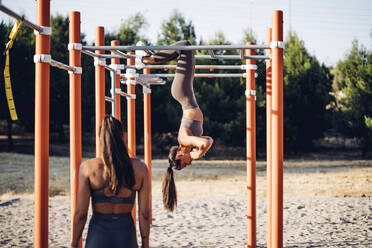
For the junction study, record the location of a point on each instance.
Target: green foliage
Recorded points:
(176, 29)
(354, 99)
(249, 36)
(307, 87)
(130, 31)
(368, 122)
(59, 79)
(309, 100)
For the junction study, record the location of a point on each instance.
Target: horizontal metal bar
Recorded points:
(198, 75)
(122, 93)
(184, 48)
(232, 57)
(102, 56)
(60, 65)
(18, 17)
(110, 69)
(210, 67)
(218, 57)
(108, 99)
(124, 55)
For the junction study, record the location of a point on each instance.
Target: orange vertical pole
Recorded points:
(100, 88)
(251, 151)
(42, 73)
(277, 131)
(131, 122)
(75, 111)
(147, 135)
(117, 83)
(268, 139)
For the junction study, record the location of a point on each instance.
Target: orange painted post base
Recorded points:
(131, 124)
(147, 135)
(251, 150)
(277, 130)
(75, 112)
(268, 141)
(42, 73)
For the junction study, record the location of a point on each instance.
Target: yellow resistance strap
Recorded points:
(8, 85)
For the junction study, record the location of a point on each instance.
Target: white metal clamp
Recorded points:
(277, 44)
(44, 31)
(131, 73)
(99, 61)
(131, 96)
(248, 67)
(74, 46)
(117, 67)
(146, 89)
(42, 58)
(77, 70)
(251, 93)
(130, 82)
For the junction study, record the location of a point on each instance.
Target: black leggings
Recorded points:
(111, 230)
(182, 86)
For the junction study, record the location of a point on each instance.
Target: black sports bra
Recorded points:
(98, 195)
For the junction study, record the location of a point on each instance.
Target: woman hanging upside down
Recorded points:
(192, 145)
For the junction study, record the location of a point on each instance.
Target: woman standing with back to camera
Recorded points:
(112, 182)
(192, 145)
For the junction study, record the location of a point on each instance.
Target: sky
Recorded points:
(327, 27)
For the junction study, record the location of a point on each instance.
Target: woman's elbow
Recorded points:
(80, 215)
(145, 214)
(208, 142)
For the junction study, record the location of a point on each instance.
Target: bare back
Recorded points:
(98, 176)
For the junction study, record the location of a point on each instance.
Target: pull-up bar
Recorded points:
(197, 75)
(121, 55)
(184, 48)
(206, 67)
(63, 66)
(232, 57)
(102, 56)
(20, 18)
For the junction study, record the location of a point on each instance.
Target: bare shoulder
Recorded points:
(139, 165)
(140, 168)
(91, 165)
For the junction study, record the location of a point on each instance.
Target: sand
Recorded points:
(326, 204)
(213, 222)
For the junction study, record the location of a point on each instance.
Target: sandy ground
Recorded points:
(213, 222)
(328, 203)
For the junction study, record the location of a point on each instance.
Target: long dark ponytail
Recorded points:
(115, 155)
(169, 187)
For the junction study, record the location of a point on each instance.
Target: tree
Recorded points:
(307, 87)
(130, 31)
(249, 36)
(59, 79)
(353, 78)
(176, 29)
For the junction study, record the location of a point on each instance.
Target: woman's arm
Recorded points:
(82, 205)
(201, 144)
(205, 143)
(144, 208)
